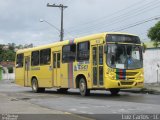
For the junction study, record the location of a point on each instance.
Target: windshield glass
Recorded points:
(124, 56)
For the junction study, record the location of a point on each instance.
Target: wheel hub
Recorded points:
(82, 87)
(34, 86)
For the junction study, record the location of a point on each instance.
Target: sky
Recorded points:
(20, 19)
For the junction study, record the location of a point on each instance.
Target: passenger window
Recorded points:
(83, 51)
(54, 60)
(35, 58)
(69, 53)
(19, 60)
(58, 60)
(101, 55)
(94, 55)
(45, 56)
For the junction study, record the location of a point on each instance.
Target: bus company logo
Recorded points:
(80, 67)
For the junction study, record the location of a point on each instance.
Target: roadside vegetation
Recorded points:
(8, 52)
(154, 34)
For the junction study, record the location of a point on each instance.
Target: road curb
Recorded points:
(143, 90)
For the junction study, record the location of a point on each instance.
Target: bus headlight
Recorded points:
(113, 77)
(140, 76)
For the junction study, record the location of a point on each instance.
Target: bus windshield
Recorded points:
(124, 56)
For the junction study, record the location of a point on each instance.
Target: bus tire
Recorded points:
(35, 86)
(83, 87)
(114, 91)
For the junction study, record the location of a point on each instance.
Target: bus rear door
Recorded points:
(27, 68)
(56, 69)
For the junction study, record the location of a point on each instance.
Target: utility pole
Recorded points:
(61, 6)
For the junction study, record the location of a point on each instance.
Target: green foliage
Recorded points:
(154, 34)
(7, 52)
(7, 55)
(145, 46)
(156, 44)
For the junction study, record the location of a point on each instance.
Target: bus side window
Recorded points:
(19, 60)
(45, 56)
(54, 60)
(35, 58)
(69, 53)
(58, 60)
(83, 51)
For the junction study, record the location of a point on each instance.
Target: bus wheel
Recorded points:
(83, 87)
(35, 87)
(114, 91)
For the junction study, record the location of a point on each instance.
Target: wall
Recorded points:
(151, 62)
(8, 76)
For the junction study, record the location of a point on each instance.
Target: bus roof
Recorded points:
(65, 42)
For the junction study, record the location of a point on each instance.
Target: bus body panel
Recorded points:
(134, 79)
(64, 75)
(98, 76)
(19, 77)
(43, 75)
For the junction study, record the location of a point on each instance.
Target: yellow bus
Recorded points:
(105, 61)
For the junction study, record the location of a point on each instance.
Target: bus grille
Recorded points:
(131, 73)
(127, 83)
(128, 73)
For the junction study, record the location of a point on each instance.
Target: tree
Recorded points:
(9, 53)
(154, 34)
(11, 46)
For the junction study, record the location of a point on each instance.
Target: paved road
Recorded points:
(100, 102)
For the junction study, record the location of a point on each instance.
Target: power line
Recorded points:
(102, 26)
(121, 17)
(112, 14)
(138, 23)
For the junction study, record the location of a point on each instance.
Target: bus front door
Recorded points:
(56, 69)
(97, 66)
(27, 68)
